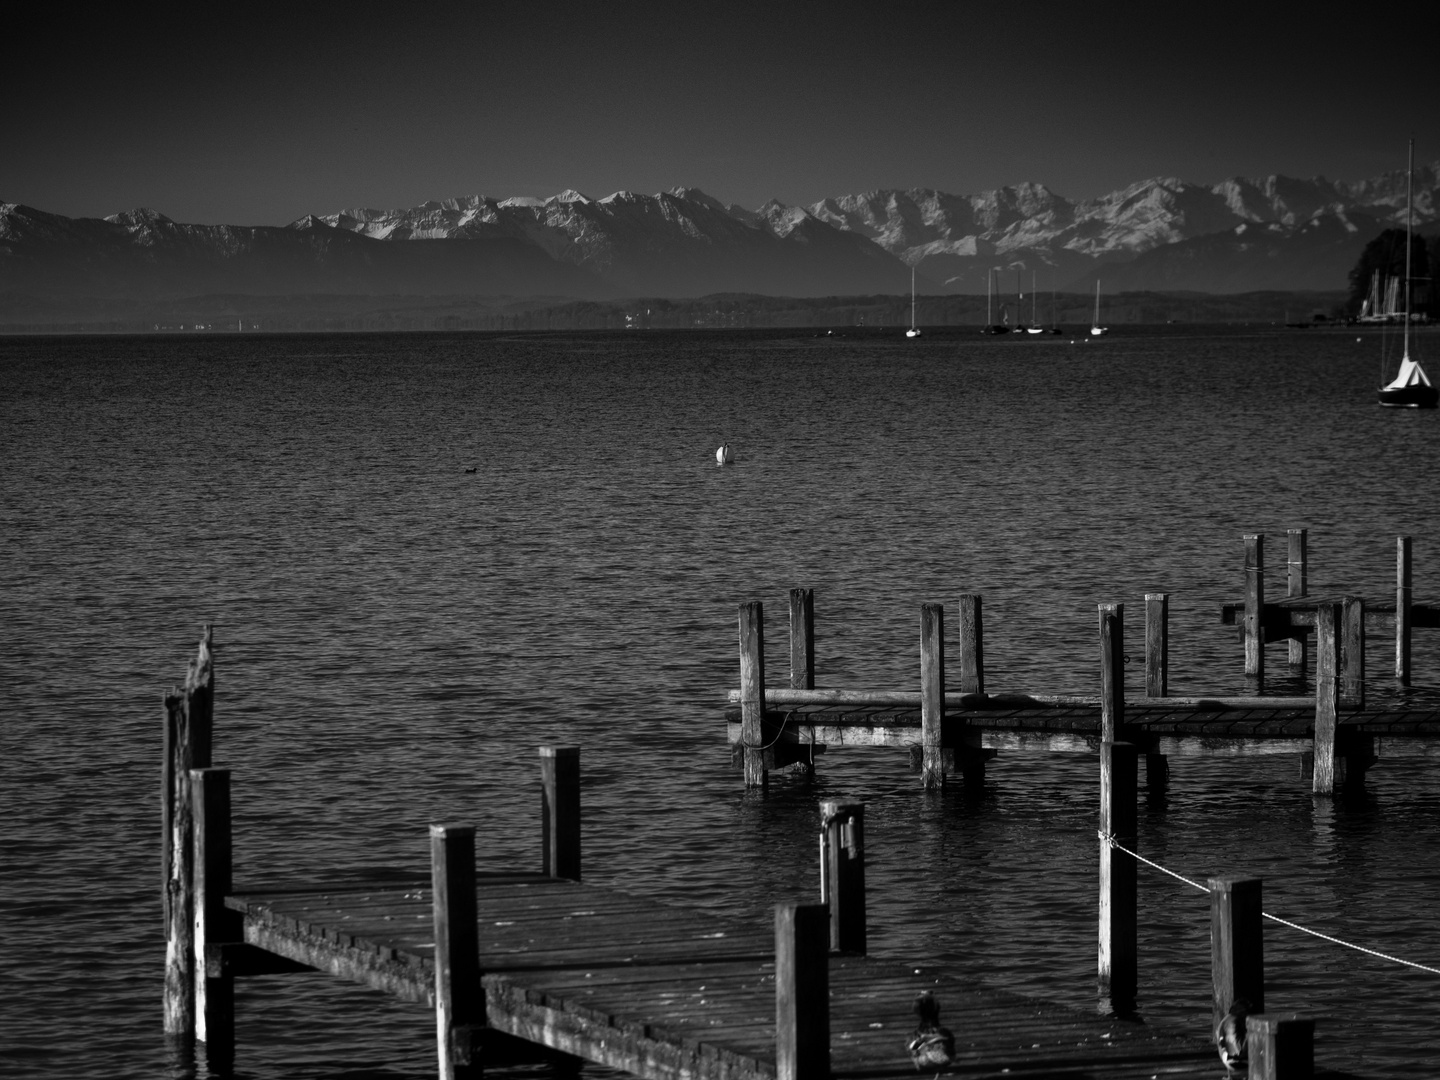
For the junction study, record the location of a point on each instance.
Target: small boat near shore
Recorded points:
(1411, 388)
(914, 330)
(991, 326)
(1096, 330)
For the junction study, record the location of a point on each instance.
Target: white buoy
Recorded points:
(723, 456)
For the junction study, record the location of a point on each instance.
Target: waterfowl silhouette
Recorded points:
(469, 470)
(932, 1045)
(1230, 1037)
(723, 456)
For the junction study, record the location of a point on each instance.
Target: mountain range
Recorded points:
(1235, 236)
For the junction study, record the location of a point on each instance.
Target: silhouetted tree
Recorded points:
(1386, 255)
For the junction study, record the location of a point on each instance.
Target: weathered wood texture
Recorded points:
(802, 639)
(213, 923)
(1119, 912)
(1327, 695)
(459, 999)
(802, 992)
(1157, 644)
(560, 810)
(932, 693)
(1112, 670)
(1281, 1047)
(1297, 585)
(1254, 603)
(972, 644)
(752, 691)
(843, 872)
(1237, 956)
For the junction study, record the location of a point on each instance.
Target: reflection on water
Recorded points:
(396, 635)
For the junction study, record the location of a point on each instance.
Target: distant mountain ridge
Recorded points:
(1235, 236)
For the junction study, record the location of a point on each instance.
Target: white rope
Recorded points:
(1110, 840)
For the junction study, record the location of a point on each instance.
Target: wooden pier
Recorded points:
(539, 967)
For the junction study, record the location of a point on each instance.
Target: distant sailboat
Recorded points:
(1411, 388)
(991, 326)
(914, 331)
(1096, 330)
(1034, 327)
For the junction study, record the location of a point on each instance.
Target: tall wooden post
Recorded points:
(1157, 644)
(972, 645)
(1237, 957)
(802, 992)
(1119, 905)
(189, 712)
(843, 871)
(932, 693)
(802, 639)
(1297, 585)
(1327, 692)
(1280, 1046)
(560, 810)
(752, 692)
(1255, 605)
(459, 997)
(1112, 670)
(1352, 650)
(1402, 609)
(214, 924)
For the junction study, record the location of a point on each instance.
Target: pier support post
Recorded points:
(1119, 907)
(932, 693)
(214, 924)
(972, 645)
(1297, 585)
(802, 639)
(842, 871)
(1352, 651)
(1237, 956)
(752, 692)
(189, 713)
(1112, 670)
(1255, 605)
(1327, 692)
(459, 997)
(1280, 1046)
(802, 992)
(1402, 609)
(560, 811)
(1157, 673)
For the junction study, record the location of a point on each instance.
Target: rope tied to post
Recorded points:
(1109, 840)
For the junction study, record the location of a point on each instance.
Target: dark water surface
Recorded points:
(396, 636)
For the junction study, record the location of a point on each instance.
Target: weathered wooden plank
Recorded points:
(972, 645)
(932, 693)
(752, 692)
(802, 639)
(1112, 670)
(1254, 605)
(1327, 692)
(1297, 587)
(1157, 645)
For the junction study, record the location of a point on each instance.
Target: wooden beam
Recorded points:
(842, 873)
(1157, 644)
(459, 997)
(236, 959)
(1254, 605)
(1327, 692)
(214, 923)
(1118, 957)
(1112, 670)
(1297, 585)
(560, 811)
(779, 697)
(802, 992)
(932, 693)
(1403, 595)
(1280, 1046)
(1352, 650)
(752, 692)
(1237, 958)
(802, 639)
(972, 645)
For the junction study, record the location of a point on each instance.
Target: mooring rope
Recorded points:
(1110, 840)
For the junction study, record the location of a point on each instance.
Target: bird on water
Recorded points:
(724, 456)
(932, 1046)
(1230, 1037)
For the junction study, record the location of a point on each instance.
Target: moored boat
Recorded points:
(1411, 388)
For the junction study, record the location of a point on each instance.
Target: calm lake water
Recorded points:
(396, 636)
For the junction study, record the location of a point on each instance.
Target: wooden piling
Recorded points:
(1254, 605)
(1327, 691)
(1237, 958)
(1297, 585)
(214, 925)
(972, 645)
(1402, 609)
(1157, 644)
(1112, 670)
(752, 692)
(560, 811)
(1119, 905)
(802, 639)
(1352, 651)
(843, 872)
(802, 992)
(459, 997)
(932, 693)
(1280, 1046)
(188, 722)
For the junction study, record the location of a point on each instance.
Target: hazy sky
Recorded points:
(258, 114)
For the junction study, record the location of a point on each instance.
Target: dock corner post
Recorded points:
(1157, 644)
(802, 639)
(972, 645)
(1112, 670)
(1403, 581)
(932, 693)
(1327, 691)
(844, 873)
(1352, 650)
(1297, 585)
(1119, 904)
(459, 995)
(560, 811)
(802, 992)
(1255, 605)
(1281, 1046)
(752, 692)
(214, 924)
(1237, 955)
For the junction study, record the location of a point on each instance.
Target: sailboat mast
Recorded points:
(1409, 205)
(912, 298)
(989, 291)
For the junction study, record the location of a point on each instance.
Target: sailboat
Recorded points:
(1034, 327)
(991, 326)
(1411, 388)
(914, 331)
(1096, 330)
